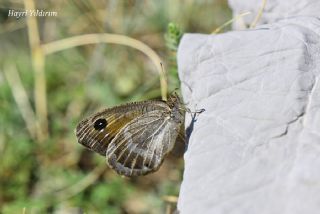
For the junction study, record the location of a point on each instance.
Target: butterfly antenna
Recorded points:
(194, 113)
(189, 129)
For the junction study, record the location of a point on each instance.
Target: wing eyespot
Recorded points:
(100, 124)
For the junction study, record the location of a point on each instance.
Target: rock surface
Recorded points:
(274, 10)
(256, 148)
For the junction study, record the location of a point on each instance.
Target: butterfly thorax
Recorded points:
(177, 112)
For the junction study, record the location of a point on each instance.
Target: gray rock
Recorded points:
(256, 148)
(274, 10)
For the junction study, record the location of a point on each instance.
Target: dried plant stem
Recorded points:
(170, 198)
(12, 26)
(113, 39)
(38, 62)
(257, 18)
(21, 98)
(218, 29)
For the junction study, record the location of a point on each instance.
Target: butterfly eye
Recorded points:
(100, 124)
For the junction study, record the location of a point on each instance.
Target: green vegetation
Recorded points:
(50, 172)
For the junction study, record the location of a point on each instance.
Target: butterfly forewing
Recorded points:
(97, 138)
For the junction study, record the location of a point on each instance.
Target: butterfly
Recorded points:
(135, 137)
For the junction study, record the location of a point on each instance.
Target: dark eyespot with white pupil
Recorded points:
(100, 124)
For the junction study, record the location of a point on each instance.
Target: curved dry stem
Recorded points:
(257, 18)
(218, 29)
(63, 44)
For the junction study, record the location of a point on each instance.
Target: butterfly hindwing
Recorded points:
(140, 146)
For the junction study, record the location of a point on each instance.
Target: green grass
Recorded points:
(37, 176)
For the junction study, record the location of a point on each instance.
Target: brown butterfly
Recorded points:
(134, 137)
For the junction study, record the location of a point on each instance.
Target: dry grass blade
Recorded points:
(38, 62)
(170, 198)
(12, 26)
(22, 100)
(113, 39)
(257, 18)
(218, 29)
(171, 203)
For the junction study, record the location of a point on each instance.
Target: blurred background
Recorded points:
(43, 96)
